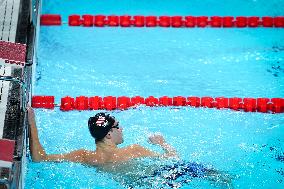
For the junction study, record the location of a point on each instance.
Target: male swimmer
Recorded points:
(108, 134)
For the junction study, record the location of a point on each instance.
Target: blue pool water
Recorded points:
(164, 61)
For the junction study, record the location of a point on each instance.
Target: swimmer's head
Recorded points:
(101, 124)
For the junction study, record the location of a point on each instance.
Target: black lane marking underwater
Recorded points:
(275, 152)
(280, 156)
(276, 48)
(278, 153)
(280, 172)
(276, 69)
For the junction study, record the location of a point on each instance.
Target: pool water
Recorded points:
(164, 61)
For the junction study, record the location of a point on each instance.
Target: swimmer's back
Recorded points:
(118, 155)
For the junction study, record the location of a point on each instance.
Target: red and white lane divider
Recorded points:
(264, 105)
(164, 21)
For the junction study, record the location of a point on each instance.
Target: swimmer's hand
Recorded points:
(31, 114)
(157, 139)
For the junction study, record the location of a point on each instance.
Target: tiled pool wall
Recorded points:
(18, 24)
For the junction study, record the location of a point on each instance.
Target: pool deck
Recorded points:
(9, 10)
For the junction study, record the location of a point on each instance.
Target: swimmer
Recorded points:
(108, 135)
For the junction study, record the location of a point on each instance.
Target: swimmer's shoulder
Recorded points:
(92, 157)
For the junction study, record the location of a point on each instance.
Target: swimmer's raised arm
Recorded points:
(137, 151)
(37, 151)
(158, 139)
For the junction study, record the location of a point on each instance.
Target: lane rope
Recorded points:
(163, 21)
(264, 105)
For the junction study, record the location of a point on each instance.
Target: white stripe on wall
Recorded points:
(14, 21)
(6, 164)
(7, 21)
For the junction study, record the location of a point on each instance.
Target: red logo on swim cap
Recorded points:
(101, 121)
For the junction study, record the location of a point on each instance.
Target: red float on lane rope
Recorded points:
(267, 21)
(81, 103)
(46, 102)
(222, 102)
(253, 21)
(279, 21)
(249, 104)
(262, 104)
(109, 103)
(179, 101)
(67, 103)
(177, 22)
(277, 105)
(228, 21)
(74, 20)
(139, 21)
(190, 21)
(165, 101)
(123, 102)
(151, 21)
(113, 20)
(88, 20)
(202, 21)
(125, 21)
(234, 103)
(241, 21)
(216, 21)
(100, 20)
(50, 20)
(151, 101)
(137, 100)
(207, 102)
(164, 21)
(193, 101)
(95, 103)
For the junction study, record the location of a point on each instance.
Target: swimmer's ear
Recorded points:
(108, 136)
